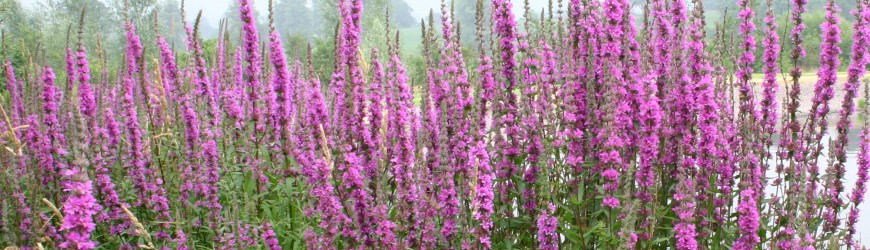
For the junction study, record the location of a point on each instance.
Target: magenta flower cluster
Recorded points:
(586, 126)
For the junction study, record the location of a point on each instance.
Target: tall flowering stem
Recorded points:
(268, 236)
(857, 197)
(824, 92)
(109, 136)
(483, 206)
(750, 167)
(860, 188)
(352, 32)
(252, 70)
(402, 158)
(151, 193)
(856, 71)
(790, 145)
(548, 238)
(79, 210)
(55, 145)
(282, 85)
(15, 92)
(506, 119)
(770, 58)
(168, 70)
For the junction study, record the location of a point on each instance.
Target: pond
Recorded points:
(852, 149)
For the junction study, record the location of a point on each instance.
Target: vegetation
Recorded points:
(586, 125)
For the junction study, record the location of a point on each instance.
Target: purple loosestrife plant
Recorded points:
(373, 136)
(681, 91)
(22, 207)
(150, 194)
(169, 85)
(650, 119)
(433, 128)
(233, 101)
(575, 112)
(661, 58)
(258, 119)
(548, 237)
(352, 32)
(24, 212)
(189, 174)
(399, 103)
(856, 71)
(746, 59)
(374, 142)
(857, 196)
(530, 124)
(38, 144)
(584, 130)
(448, 197)
(318, 170)
(750, 183)
(15, 92)
(87, 100)
(483, 200)
(708, 137)
(269, 237)
(769, 103)
(617, 116)
(252, 70)
(354, 181)
(282, 85)
(684, 230)
(169, 70)
(55, 143)
(137, 71)
(690, 75)
(862, 15)
(109, 134)
(337, 85)
(771, 69)
(829, 59)
(665, 39)
(208, 188)
(507, 115)
(791, 145)
(205, 88)
(71, 71)
(102, 158)
(79, 210)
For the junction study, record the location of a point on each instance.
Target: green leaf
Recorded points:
(250, 184)
(572, 236)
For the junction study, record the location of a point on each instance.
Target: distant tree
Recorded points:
(402, 14)
(140, 11)
(465, 14)
(234, 23)
(294, 17)
(326, 13)
(169, 19)
(55, 19)
(18, 25)
(373, 21)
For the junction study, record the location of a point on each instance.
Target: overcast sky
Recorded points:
(213, 10)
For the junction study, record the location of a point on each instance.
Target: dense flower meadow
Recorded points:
(583, 128)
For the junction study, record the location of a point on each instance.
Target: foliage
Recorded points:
(589, 129)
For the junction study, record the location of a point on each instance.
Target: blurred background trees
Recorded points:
(38, 29)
